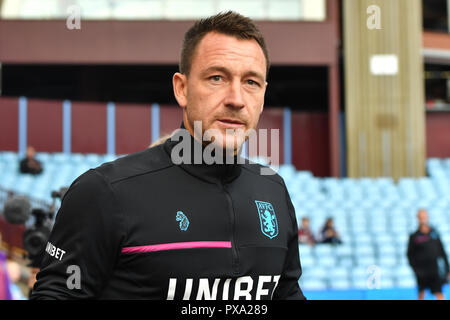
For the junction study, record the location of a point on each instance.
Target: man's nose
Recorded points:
(234, 98)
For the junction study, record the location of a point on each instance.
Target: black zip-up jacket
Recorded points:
(424, 252)
(141, 227)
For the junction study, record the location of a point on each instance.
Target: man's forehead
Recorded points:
(216, 49)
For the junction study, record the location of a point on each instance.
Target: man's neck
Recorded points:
(424, 228)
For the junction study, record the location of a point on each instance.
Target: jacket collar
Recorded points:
(213, 173)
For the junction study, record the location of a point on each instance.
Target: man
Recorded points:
(5, 289)
(29, 164)
(427, 257)
(305, 235)
(329, 234)
(143, 227)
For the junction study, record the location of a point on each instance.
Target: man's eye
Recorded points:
(252, 82)
(216, 78)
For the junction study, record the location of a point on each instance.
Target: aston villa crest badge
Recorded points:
(267, 218)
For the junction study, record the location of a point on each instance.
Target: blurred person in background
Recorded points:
(427, 258)
(305, 235)
(11, 273)
(30, 164)
(5, 290)
(329, 234)
(16, 273)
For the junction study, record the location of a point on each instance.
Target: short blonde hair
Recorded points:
(160, 140)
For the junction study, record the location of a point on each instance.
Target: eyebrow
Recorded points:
(226, 71)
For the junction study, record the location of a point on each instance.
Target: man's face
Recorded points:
(225, 87)
(422, 216)
(30, 152)
(305, 223)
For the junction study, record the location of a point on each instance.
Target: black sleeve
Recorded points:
(444, 255)
(288, 287)
(23, 167)
(410, 252)
(39, 168)
(87, 234)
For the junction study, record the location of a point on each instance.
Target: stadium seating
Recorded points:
(60, 170)
(374, 216)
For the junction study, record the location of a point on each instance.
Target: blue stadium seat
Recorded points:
(286, 171)
(363, 239)
(9, 156)
(23, 184)
(406, 283)
(360, 271)
(109, 157)
(382, 239)
(316, 272)
(43, 156)
(379, 227)
(60, 158)
(400, 238)
(323, 249)
(364, 261)
(328, 261)
(305, 250)
(359, 225)
(358, 282)
(387, 282)
(397, 227)
(312, 284)
(8, 178)
(387, 261)
(345, 261)
(338, 273)
(359, 277)
(403, 272)
(362, 250)
(344, 250)
(307, 261)
(387, 249)
(339, 284)
(445, 238)
(402, 259)
(93, 160)
(77, 158)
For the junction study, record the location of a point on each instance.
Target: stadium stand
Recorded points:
(59, 171)
(373, 216)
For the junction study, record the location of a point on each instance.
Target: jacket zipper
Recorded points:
(234, 251)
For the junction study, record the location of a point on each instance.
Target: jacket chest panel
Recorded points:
(216, 231)
(262, 217)
(190, 213)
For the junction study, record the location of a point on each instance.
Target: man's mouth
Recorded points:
(231, 123)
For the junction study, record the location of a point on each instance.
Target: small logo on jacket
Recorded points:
(267, 218)
(184, 221)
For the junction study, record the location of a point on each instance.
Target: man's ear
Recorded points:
(179, 82)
